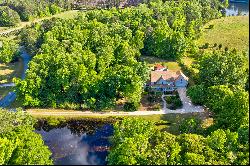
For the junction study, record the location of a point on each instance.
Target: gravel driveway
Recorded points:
(188, 107)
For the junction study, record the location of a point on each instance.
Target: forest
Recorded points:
(13, 12)
(76, 70)
(139, 142)
(19, 144)
(92, 61)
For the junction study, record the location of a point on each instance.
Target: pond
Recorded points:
(238, 7)
(77, 142)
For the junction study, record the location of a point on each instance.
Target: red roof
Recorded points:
(159, 66)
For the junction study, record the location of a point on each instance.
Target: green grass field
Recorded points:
(231, 32)
(67, 15)
(172, 65)
(11, 70)
(7, 73)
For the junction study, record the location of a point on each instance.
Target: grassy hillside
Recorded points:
(231, 32)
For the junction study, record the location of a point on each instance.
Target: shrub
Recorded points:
(168, 99)
(177, 102)
(8, 17)
(211, 26)
(68, 105)
(174, 102)
(220, 46)
(54, 9)
(197, 94)
(206, 45)
(191, 125)
(150, 99)
(157, 107)
(215, 44)
(130, 106)
(54, 121)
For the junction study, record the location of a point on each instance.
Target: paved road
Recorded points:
(8, 99)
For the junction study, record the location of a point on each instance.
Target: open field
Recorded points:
(172, 65)
(7, 73)
(231, 32)
(67, 15)
(11, 70)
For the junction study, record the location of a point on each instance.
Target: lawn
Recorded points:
(171, 65)
(7, 73)
(231, 32)
(11, 70)
(67, 15)
(173, 120)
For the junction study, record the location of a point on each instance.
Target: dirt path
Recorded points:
(24, 24)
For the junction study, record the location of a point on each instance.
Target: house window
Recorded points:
(161, 82)
(181, 80)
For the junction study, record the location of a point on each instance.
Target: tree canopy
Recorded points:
(8, 17)
(19, 144)
(223, 68)
(31, 9)
(93, 60)
(9, 50)
(161, 148)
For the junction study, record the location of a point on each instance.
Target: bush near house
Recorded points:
(173, 102)
(131, 106)
(157, 107)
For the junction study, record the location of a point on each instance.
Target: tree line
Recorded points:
(19, 144)
(221, 86)
(138, 142)
(13, 12)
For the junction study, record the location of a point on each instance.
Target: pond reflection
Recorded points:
(77, 142)
(238, 8)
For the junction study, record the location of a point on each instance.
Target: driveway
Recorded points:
(187, 107)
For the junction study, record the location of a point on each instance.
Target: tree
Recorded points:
(137, 141)
(19, 143)
(191, 125)
(164, 149)
(8, 17)
(223, 68)
(197, 94)
(231, 108)
(9, 51)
